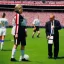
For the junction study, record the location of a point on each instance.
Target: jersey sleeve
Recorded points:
(13, 21)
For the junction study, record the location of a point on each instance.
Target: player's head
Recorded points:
(52, 17)
(18, 8)
(3, 15)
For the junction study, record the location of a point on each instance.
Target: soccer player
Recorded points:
(14, 26)
(36, 24)
(20, 33)
(3, 24)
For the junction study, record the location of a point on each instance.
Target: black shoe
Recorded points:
(37, 36)
(50, 57)
(13, 59)
(24, 59)
(32, 36)
(55, 57)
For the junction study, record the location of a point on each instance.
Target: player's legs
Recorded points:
(23, 43)
(33, 34)
(34, 31)
(2, 41)
(38, 33)
(1, 44)
(14, 49)
(2, 37)
(22, 51)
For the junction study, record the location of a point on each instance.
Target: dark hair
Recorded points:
(3, 15)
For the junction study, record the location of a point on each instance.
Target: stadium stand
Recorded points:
(30, 16)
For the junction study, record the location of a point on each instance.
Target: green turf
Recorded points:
(36, 48)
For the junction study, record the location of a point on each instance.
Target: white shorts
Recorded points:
(2, 31)
(13, 30)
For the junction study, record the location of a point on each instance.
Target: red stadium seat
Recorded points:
(30, 16)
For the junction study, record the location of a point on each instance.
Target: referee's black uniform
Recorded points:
(55, 39)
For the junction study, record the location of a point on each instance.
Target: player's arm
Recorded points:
(34, 25)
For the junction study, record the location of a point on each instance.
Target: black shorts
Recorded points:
(37, 28)
(20, 40)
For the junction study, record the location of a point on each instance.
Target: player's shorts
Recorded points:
(13, 30)
(37, 28)
(20, 40)
(2, 31)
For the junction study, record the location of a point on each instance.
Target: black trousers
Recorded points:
(56, 48)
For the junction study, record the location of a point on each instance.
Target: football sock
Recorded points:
(2, 43)
(38, 34)
(13, 53)
(22, 52)
(32, 35)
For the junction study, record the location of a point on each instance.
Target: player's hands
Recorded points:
(48, 37)
(16, 36)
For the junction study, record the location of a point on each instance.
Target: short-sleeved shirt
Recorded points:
(36, 22)
(3, 22)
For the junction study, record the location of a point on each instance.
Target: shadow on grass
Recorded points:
(21, 61)
(40, 62)
(61, 57)
(6, 50)
(14, 61)
(7, 40)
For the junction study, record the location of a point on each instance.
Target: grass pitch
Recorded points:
(36, 48)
